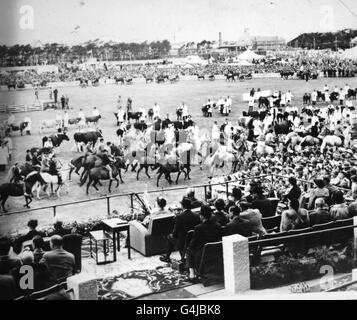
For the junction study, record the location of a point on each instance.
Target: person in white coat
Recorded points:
(28, 128)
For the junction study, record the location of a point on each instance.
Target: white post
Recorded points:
(355, 239)
(84, 286)
(236, 264)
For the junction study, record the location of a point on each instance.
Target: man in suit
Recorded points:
(32, 225)
(185, 222)
(321, 213)
(238, 225)
(261, 203)
(194, 202)
(60, 263)
(207, 231)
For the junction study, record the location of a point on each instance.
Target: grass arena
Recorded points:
(193, 92)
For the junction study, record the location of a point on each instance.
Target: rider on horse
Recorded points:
(107, 160)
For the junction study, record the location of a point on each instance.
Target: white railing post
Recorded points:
(236, 264)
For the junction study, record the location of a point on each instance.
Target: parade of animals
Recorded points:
(179, 140)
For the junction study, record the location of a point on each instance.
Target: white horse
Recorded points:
(332, 141)
(52, 180)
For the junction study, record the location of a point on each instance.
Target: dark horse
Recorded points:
(167, 168)
(101, 173)
(18, 190)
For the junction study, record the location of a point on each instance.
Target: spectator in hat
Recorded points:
(59, 229)
(205, 232)
(235, 197)
(184, 222)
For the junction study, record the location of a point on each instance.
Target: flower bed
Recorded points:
(293, 267)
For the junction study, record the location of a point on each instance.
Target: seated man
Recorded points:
(59, 229)
(107, 160)
(60, 263)
(220, 216)
(194, 202)
(238, 225)
(253, 216)
(185, 222)
(159, 210)
(261, 203)
(339, 210)
(7, 263)
(352, 208)
(206, 232)
(32, 225)
(320, 214)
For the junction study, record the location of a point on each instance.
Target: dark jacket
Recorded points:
(264, 206)
(7, 264)
(319, 216)
(7, 287)
(28, 236)
(185, 221)
(221, 218)
(294, 193)
(195, 203)
(239, 226)
(60, 263)
(206, 232)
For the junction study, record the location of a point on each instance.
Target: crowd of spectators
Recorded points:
(314, 62)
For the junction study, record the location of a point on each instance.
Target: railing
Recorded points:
(205, 187)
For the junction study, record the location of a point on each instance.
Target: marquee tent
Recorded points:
(249, 55)
(350, 53)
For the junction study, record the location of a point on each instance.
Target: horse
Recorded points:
(121, 80)
(52, 178)
(160, 79)
(18, 190)
(56, 139)
(263, 102)
(212, 77)
(229, 76)
(352, 93)
(200, 77)
(331, 140)
(101, 173)
(149, 79)
(11, 85)
(175, 79)
(75, 164)
(167, 168)
(129, 81)
(286, 74)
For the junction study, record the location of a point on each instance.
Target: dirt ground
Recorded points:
(168, 96)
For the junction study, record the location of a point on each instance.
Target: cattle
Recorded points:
(142, 126)
(133, 115)
(85, 137)
(93, 119)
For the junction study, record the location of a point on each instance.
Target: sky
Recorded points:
(76, 21)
